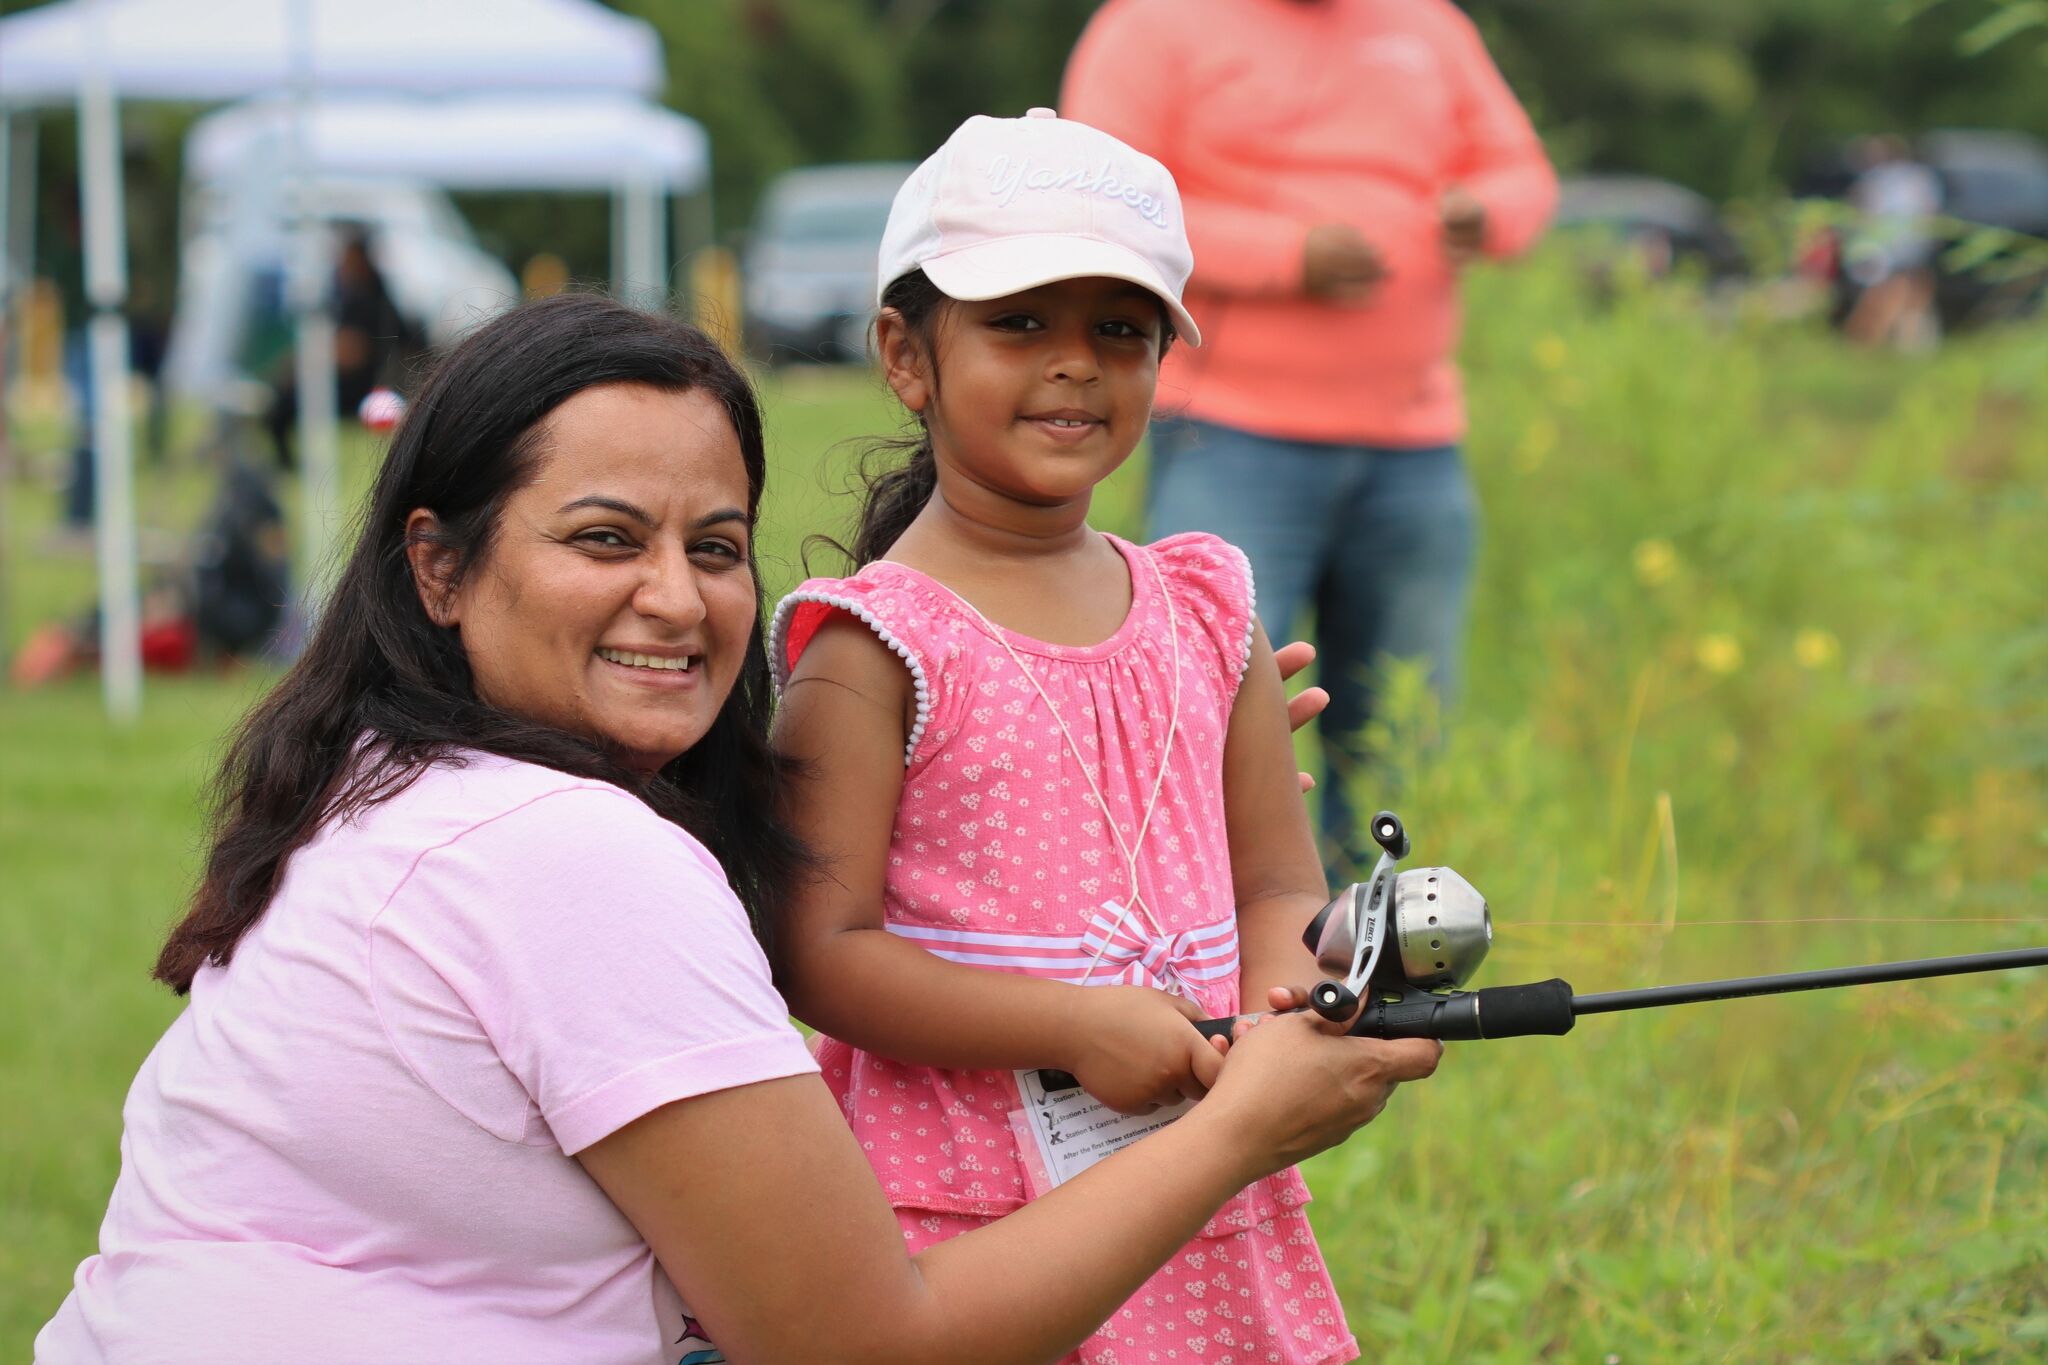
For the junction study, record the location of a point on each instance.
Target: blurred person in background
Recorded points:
(1890, 254)
(1340, 160)
(372, 338)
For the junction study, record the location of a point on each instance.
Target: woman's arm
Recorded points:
(844, 715)
(761, 1209)
(1276, 875)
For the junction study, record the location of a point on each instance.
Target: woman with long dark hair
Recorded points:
(479, 1028)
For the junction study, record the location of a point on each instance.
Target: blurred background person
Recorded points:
(372, 341)
(1891, 250)
(1339, 160)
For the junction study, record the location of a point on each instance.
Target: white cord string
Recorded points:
(1129, 851)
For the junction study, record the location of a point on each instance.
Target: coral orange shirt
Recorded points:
(1277, 115)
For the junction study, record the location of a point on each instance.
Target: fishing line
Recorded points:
(1721, 923)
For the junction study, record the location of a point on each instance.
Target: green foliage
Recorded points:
(1758, 636)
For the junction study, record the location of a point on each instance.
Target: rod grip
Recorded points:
(1519, 1011)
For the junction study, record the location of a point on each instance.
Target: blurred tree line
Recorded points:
(1731, 97)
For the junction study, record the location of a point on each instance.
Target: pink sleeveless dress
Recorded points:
(1000, 859)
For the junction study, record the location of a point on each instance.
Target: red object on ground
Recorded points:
(170, 645)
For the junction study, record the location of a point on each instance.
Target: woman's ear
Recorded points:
(905, 365)
(433, 567)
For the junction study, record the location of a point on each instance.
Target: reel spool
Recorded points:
(1397, 934)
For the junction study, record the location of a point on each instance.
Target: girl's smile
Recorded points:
(1066, 426)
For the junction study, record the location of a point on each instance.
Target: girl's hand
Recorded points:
(1135, 1048)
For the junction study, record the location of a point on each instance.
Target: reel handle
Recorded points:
(1390, 835)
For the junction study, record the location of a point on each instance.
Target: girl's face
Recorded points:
(1039, 396)
(617, 598)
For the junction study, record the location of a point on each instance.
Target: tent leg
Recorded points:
(106, 273)
(646, 276)
(313, 338)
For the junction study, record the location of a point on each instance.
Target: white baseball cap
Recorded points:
(1008, 204)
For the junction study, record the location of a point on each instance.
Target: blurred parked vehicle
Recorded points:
(809, 265)
(1667, 226)
(1989, 178)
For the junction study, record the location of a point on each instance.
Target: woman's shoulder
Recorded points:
(526, 813)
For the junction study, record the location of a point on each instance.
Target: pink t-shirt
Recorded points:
(356, 1143)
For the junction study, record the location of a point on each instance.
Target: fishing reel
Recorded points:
(1397, 936)
(1400, 944)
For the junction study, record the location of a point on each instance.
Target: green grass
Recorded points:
(1759, 635)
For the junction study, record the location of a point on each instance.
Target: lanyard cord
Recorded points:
(1129, 850)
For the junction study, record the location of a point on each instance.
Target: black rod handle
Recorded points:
(1540, 1007)
(1655, 997)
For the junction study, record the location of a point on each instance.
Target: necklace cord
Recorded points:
(1128, 850)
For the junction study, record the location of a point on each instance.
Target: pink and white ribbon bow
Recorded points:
(1124, 950)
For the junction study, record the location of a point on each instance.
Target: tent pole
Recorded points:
(646, 275)
(106, 280)
(313, 338)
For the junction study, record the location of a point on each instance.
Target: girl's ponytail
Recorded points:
(894, 498)
(896, 493)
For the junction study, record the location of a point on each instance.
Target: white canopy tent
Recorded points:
(639, 153)
(97, 52)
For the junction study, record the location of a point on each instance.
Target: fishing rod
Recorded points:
(1400, 944)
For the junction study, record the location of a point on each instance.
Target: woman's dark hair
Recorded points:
(379, 671)
(896, 493)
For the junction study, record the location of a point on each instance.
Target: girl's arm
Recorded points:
(1277, 877)
(762, 1211)
(846, 715)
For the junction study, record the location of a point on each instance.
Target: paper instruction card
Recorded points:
(1061, 1133)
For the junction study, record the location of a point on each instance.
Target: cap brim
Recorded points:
(1010, 265)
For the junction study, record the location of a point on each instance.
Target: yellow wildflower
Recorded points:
(1549, 351)
(1539, 438)
(1816, 648)
(1656, 562)
(1719, 653)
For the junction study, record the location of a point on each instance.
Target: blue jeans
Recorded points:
(1380, 541)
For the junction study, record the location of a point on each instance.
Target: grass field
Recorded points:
(1760, 635)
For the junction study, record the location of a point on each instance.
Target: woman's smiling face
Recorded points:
(617, 599)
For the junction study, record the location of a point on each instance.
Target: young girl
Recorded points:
(1051, 770)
